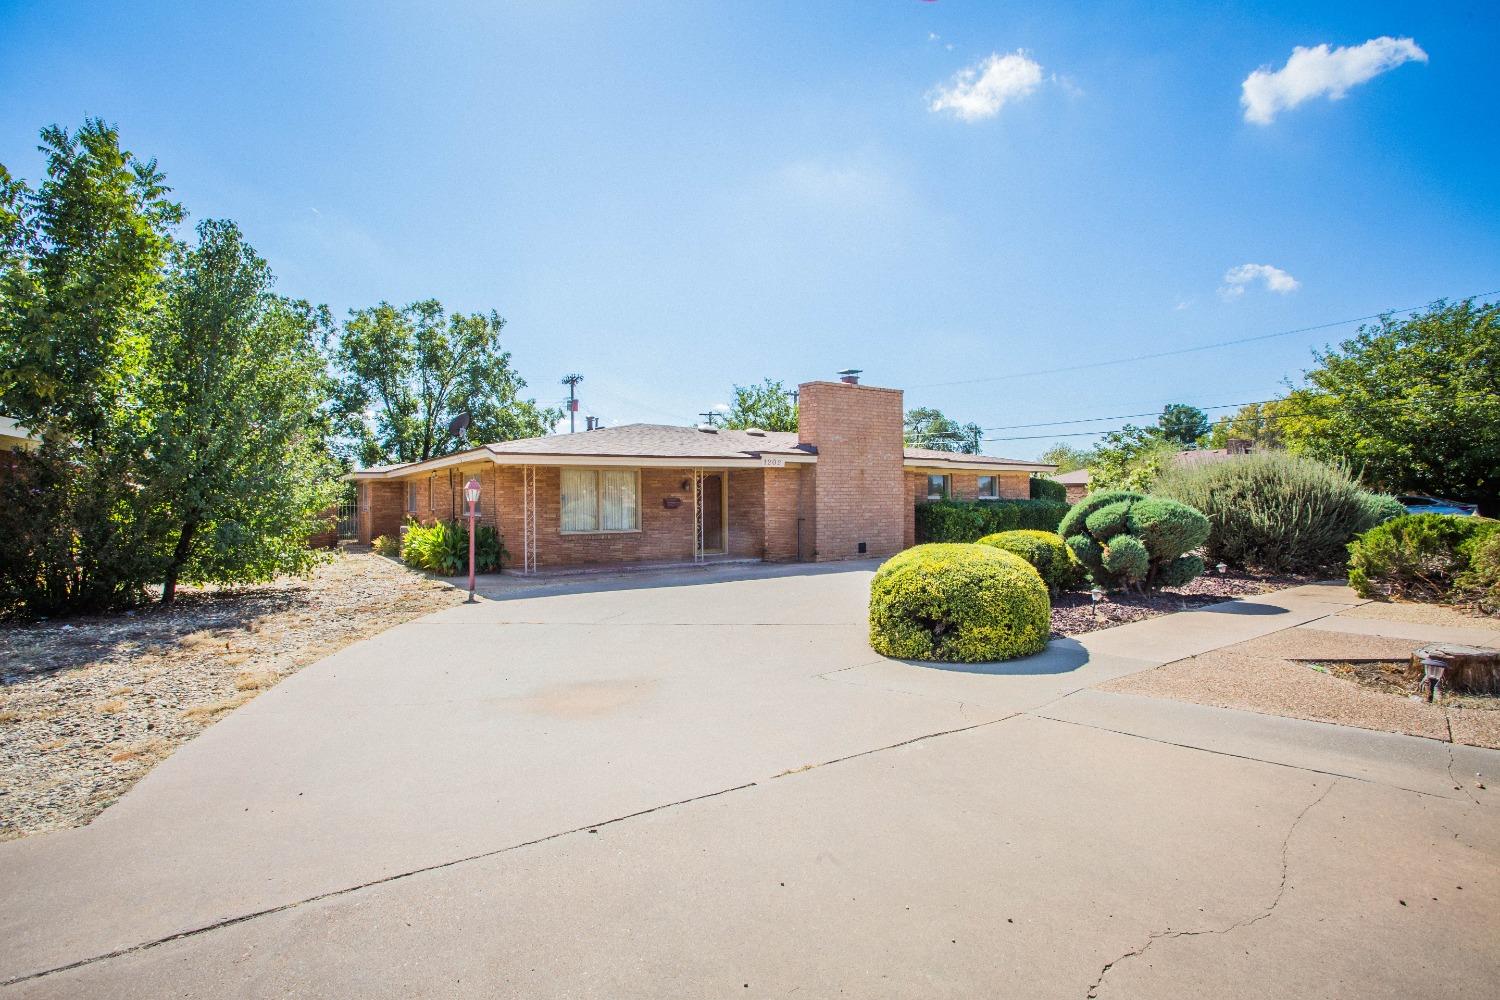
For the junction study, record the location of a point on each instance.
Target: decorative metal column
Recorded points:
(528, 519)
(697, 515)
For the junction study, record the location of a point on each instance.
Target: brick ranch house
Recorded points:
(843, 486)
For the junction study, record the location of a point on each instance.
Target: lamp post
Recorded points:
(471, 494)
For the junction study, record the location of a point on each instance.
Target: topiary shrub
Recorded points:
(443, 547)
(1043, 488)
(1047, 553)
(971, 520)
(1126, 539)
(958, 603)
(386, 545)
(1278, 512)
(1418, 556)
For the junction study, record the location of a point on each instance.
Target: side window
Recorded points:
(937, 488)
(411, 496)
(989, 488)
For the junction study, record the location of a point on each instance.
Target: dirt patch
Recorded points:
(1348, 679)
(89, 705)
(1072, 613)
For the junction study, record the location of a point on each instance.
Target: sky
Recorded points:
(957, 198)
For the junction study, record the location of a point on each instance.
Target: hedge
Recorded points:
(1043, 488)
(1046, 551)
(1420, 556)
(971, 520)
(958, 603)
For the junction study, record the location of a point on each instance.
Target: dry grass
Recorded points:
(138, 750)
(210, 711)
(111, 707)
(256, 680)
(10, 715)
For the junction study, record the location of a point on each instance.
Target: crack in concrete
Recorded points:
(399, 876)
(1457, 785)
(1156, 936)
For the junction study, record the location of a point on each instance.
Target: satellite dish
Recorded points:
(459, 424)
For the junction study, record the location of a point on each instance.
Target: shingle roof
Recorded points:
(658, 441)
(1078, 477)
(931, 455)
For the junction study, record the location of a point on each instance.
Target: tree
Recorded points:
(80, 281)
(767, 406)
(1131, 458)
(235, 389)
(1258, 423)
(1067, 458)
(1414, 403)
(402, 374)
(929, 428)
(1182, 424)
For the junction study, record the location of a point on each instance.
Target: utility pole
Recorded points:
(571, 381)
(710, 417)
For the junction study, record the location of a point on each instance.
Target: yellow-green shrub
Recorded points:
(958, 602)
(1046, 551)
(387, 545)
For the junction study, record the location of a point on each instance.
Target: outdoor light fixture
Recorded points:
(471, 494)
(1096, 595)
(1434, 669)
(1221, 568)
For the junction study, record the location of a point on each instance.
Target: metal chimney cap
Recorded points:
(850, 375)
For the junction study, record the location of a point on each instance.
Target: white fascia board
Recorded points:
(926, 465)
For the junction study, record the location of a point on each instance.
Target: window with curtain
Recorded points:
(411, 496)
(937, 487)
(989, 488)
(601, 500)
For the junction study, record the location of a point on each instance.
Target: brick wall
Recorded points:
(858, 489)
(783, 510)
(381, 508)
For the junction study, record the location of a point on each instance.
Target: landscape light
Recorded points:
(1221, 568)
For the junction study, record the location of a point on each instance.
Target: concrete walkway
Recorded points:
(704, 782)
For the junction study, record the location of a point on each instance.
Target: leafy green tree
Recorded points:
(768, 406)
(80, 281)
(1067, 458)
(1412, 402)
(927, 427)
(235, 391)
(1258, 423)
(403, 373)
(1131, 458)
(1182, 424)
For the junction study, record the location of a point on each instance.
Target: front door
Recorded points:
(713, 512)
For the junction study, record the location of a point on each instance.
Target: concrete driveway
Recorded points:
(704, 783)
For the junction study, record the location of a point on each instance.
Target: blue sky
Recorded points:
(673, 197)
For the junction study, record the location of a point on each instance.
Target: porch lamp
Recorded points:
(471, 494)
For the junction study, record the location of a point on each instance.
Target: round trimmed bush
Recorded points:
(1126, 539)
(1046, 551)
(959, 603)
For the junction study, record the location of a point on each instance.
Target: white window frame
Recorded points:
(979, 492)
(598, 471)
(947, 486)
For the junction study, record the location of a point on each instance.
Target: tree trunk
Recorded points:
(1470, 669)
(179, 557)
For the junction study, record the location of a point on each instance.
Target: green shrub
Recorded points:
(386, 545)
(1419, 556)
(1046, 551)
(1043, 488)
(959, 603)
(971, 520)
(1126, 539)
(443, 548)
(1278, 512)
(1480, 583)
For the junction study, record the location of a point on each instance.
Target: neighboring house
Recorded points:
(841, 487)
(13, 436)
(1077, 482)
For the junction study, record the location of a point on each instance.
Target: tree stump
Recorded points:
(1470, 669)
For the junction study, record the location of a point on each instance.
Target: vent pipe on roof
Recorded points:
(850, 375)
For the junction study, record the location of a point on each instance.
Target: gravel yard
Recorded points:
(89, 705)
(1071, 614)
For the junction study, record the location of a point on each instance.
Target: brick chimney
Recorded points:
(859, 496)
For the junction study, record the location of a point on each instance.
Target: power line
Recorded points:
(1122, 416)
(1184, 350)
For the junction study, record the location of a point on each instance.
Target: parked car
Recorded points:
(1418, 504)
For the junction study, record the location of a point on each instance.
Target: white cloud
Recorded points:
(981, 90)
(1236, 279)
(1321, 71)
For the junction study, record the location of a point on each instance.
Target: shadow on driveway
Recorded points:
(1060, 657)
